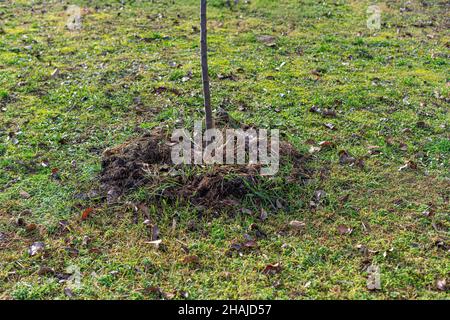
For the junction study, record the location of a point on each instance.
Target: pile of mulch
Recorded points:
(146, 162)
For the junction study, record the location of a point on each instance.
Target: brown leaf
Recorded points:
(329, 113)
(155, 233)
(43, 271)
(155, 291)
(258, 232)
(406, 130)
(315, 109)
(344, 198)
(408, 165)
(86, 213)
(272, 269)
(316, 72)
(86, 241)
(30, 227)
(24, 195)
(112, 195)
(360, 163)
(250, 244)
(268, 40)
(363, 249)
(295, 224)
(160, 90)
(191, 259)
(441, 285)
(429, 212)
(326, 144)
(345, 158)
(317, 198)
(235, 246)
(72, 251)
(279, 204)
(230, 76)
(95, 251)
(263, 216)
(374, 149)
(389, 141)
(422, 125)
(403, 146)
(68, 292)
(156, 243)
(55, 174)
(36, 248)
(344, 229)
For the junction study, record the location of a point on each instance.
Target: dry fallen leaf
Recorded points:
(263, 215)
(36, 248)
(55, 73)
(30, 227)
(86, 213)
(272, 269)
(145, 210)
(329, 113)
(279, 204)
(317, 198)
(295, 224)
(24, 195)
(403, 146)
(408, 165)
(191, 260)
(156, 243)
(72, 252)
(442, 285)
(86, 241)
(155, 291)
(43, 271)
(326, 144)
(155, 233)
(344, 230)
(68, 292)
(250, 244)
(314, 149)
(315, 109)
(268, 40)
(374, 150)
(345, 158)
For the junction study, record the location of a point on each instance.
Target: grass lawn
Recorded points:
(133, 68)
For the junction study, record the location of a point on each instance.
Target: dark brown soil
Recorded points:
(123, 166)
(146, 161)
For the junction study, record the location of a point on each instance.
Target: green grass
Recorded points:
(390, 89)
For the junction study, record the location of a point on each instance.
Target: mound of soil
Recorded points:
(146, 161)
(123, 166)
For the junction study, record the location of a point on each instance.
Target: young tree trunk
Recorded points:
(205, 76)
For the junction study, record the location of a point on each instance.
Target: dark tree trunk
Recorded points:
(205, 76)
